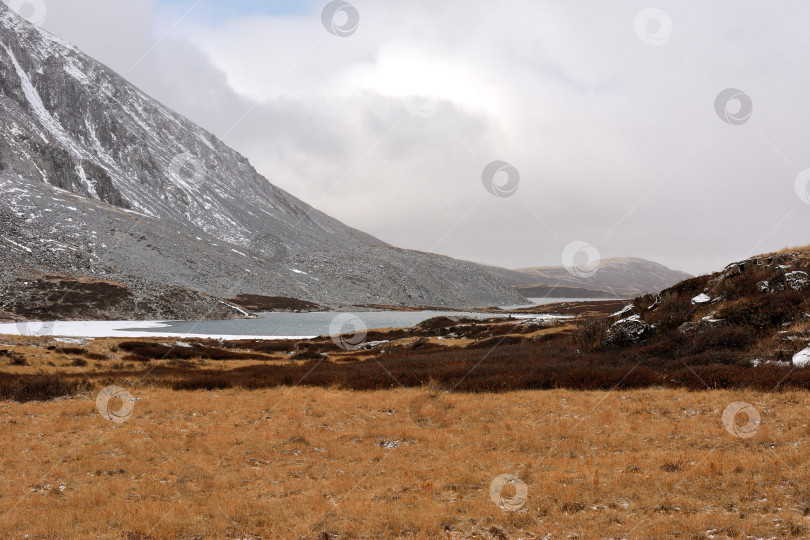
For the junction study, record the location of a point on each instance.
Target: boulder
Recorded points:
(648, 302)
(687, 327)
(737, 268)
(791, 281)
(701, 325)
(798, 281)
(629, 330)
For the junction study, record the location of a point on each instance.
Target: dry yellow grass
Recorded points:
(296, 463)
(791, 250)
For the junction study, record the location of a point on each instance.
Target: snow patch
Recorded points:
(623, 311)
(802, 359)
(38, 107)
(16, 244)
(102, 329)
(240, 310)
(541, 317)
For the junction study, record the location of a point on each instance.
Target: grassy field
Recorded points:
(687, 420)
(323, 463)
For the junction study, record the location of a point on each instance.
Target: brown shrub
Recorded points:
(268, 347)
(766, 311)
(136, 358)
(24, 388)
(590, 334)
(71, 350)
(735, 338)
(496, 341)
(17, 359)
(158, 351)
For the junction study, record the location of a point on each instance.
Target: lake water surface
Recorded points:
(267, 326)
(305, 324)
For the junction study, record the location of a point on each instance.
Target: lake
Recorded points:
(307, 324)
(267, 326)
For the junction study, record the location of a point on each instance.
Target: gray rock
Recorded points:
(629, 330)
(797, 281)
(688, 327)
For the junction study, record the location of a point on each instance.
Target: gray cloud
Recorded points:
(616, 140)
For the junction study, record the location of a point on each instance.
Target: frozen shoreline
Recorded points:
(105, 329)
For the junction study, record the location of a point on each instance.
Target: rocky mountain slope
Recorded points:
(615, 278)
(100, 180)
(755, 311)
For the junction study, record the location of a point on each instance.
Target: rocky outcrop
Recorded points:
(51, 297)
(760, 301)
(628, 330)
(791, 281)
(797, 281)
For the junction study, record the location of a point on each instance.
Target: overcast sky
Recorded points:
(607, 111)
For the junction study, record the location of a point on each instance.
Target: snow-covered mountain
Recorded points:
(99, 179)
(623, 277)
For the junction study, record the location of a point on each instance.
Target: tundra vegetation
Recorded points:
(679, 415)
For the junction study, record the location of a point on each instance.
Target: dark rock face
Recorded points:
(146, 195)
(103, 185)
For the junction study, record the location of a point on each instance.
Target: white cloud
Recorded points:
(609, 133)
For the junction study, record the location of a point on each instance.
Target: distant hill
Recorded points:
(624, 277)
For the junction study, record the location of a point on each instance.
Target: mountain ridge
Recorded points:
(618, 277)
(95, 168)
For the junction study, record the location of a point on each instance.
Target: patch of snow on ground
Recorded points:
(542, 317)
(702, 298)
(73, 341)
(711, 318)
(16, 244)
(624, 310)
(101, 329)
(802, 358)
(240, 310)
(757, 362)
